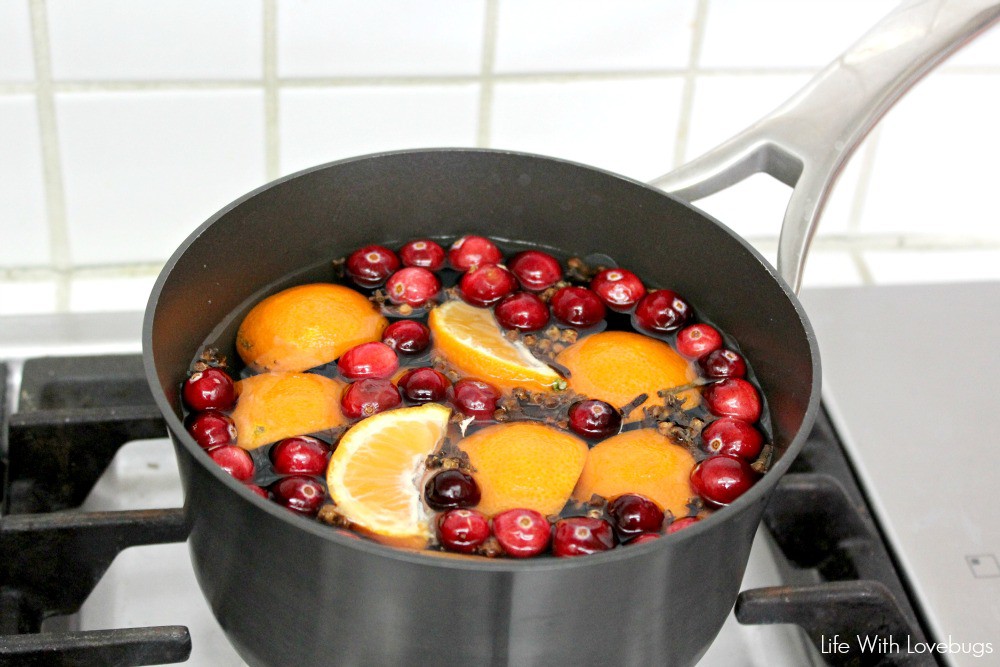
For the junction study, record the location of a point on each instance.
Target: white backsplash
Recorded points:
(125, 123)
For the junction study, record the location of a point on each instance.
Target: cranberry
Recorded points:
(256, 489)
(592, 418)
(462, 530)
(210, 428)
(536, 271)
(424, 385)
(577, 306)
(723, 363)
(684, 522)
(582, 535)
(485, 285)
(618, 288)
(371, 265)
(365, 398)
(643, 538)
(423, 253)
(407, 336)
(302, 454)
(662, 310)
(634, 514)
(299, 493)
(733, 397)
(722, 479)
(697, 340)
(732, 437)
(451, 489)
(210, 389)
(368, 360)
(522, 311)
(469, 252)
(234, 460)
(522, 533)
(413, 286)
(475, 398)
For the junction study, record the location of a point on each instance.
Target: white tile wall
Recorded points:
(16, 63)
(24, 234)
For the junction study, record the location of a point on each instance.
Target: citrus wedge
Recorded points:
(274, 406)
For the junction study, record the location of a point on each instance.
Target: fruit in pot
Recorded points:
(424, 385)
(591, 418)
(662, 311)
(634, 514)
(451, 489)
(462, 530)
(733, 397)
(722, 479)
(581, 536)
(368, 360)
(522, 533)
(696, 340)
(300, 455)
(274, 406)
(210, 428)
(732, 437)
(210, 389)
(723, 363)
(485, 285)
(472, 251)
(368, 397)
(577, 306)
(522, 311)
(475, 398)
(619, 289)
(234, 460)
(370, 266)
(536, 270)
(407, 336)
(413, 286)
(299, 493)
(423, 253)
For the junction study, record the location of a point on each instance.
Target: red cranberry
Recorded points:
(299, 493)
(424, 385)
(256, 489)
(365, 398)
(234, 460)
(469, 252)
(643, 538)
(577, 306)
(634, 514)
(485, 285)
(407, 336)
(522, 533)
(732, 437)
(618, 288)
(413, 286)
(733, 397)
(475, 398)
(368, 360)
(371, 265)
(723, 364)
(522, 311)
(684, 522)
(582, 535)
(302, 454)
(423, 253)
(697, 340)
(210, 389)
(462, 530)
(662, 310)
(591, 418)
(722, 479)
(210, 428)
(451, 489)
(536, 271)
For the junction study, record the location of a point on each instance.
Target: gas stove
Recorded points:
(880, 546)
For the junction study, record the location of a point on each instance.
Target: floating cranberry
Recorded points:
(475, 398)
(733, 397)
(469, 252)
(634, 514)
(234, 460)
(462, 530)
(620, 289)
(486, 284)
(522, 311)
(643, 538)
(683, 522)
(256, 489)
(535, 270)
(591, 418)
(522, 533)
(368, 360)
(365, 398)
(210, 389)
(423, 385)
(697, 340)
(371, 265)
(732, 437)
(407, 336)
(210, 428)
(423, 253)
(662, 310)
(413, 286)
(451, 489)
(582, 535)
(300, 455)
(722, 479)
(299, 493)
(577, 306)
(723, 363)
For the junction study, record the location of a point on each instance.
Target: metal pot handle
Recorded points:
(806, 141)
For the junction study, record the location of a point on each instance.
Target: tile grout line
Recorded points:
(690, 78)
(484, 129)
(272, 144)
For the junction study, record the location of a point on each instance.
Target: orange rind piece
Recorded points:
(274, 406)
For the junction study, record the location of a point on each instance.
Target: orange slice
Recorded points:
(524, 465)
(640, 461)
(306, 326)
(374, 474)
(470, 339)
(273, 406)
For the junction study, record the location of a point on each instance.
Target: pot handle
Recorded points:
(806, 141)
